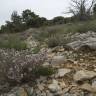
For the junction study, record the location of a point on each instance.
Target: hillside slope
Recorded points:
(57, 60)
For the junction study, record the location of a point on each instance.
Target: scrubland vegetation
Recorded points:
(20, 64)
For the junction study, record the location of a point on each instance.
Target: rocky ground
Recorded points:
(75, 71)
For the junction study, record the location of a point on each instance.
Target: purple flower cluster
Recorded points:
(17, 65)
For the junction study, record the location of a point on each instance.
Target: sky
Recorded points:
(44, 8)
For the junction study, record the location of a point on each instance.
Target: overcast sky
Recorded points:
(45, 8)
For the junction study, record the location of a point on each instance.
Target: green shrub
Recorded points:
(53, 41)
(87, 26)
(44, 71)
(57, 40)
(36, 50)
(13, 42)
(40, 36)
(45, 32)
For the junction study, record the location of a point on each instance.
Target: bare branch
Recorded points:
(93, 2)
(81, 8)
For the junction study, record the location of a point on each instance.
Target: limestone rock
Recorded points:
(40, 87)
(54, 87)
(62, 72)
(22, 92)
(48, 93)
(31, 42)
(94, 84)
(81, 41)
(58, 60)
(88, 87)
(9, 94)
(84, 75)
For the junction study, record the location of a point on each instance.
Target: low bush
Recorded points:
(53, 41)
(36, 50)
(87, 26)
(57, 40)
(45, 32)
(44, 71)
(40, 36)
(13, 42)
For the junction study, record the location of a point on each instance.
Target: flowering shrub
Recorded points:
(19, 65)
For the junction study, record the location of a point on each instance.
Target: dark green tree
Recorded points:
(29, 17)
(94, 10)
(17, 24)
(22, 22)
(15, 18)
(58, 20)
